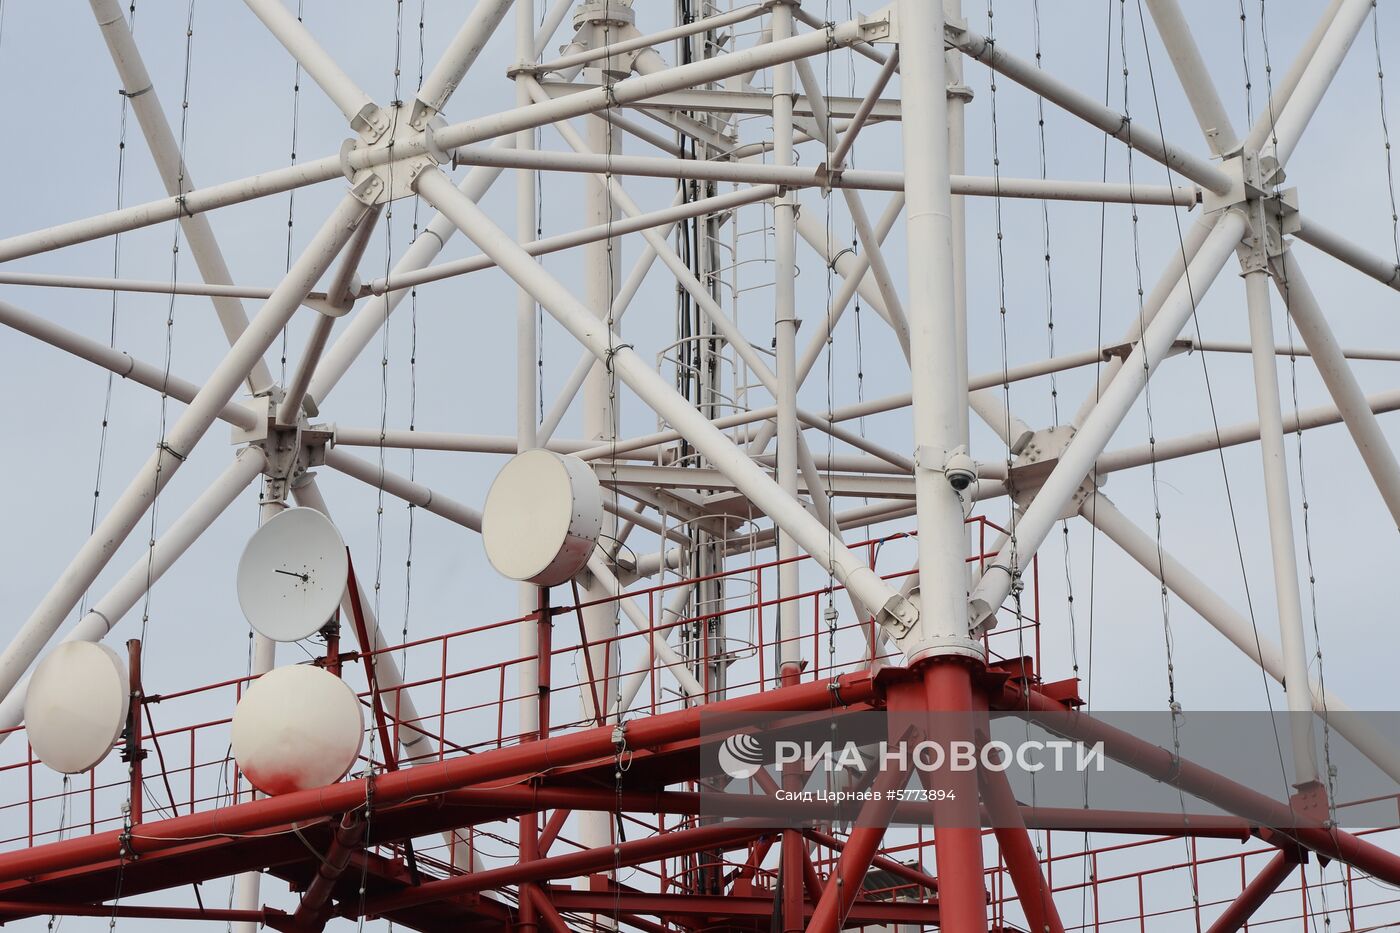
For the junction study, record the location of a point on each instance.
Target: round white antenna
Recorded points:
(542, 517)
(292, 575)
(296, 728)
(76, 705)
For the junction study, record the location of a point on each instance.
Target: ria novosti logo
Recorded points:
(741, 756)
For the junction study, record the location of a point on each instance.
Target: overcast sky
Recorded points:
(451, 354)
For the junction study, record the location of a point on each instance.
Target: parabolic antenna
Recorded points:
(76, 705)
(295, 728)
(292, 575)
(542, 517)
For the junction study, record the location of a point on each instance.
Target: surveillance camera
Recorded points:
(960, 470)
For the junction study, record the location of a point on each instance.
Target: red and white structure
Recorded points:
(536, 768)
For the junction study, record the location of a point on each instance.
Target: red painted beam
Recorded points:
(1037, 901)
(266, 915)
(424, 780)
(573, 864)
(1256, 893)
(730, 906)
(1157, 762)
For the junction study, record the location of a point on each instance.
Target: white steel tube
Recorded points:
(1137, 544)
(1280, 510)
(642, 87)
(784, 388)
(1181, 257)
(462, 53)
(663, 220)
(359, 333)
(247, 885)
(958, 96)
(656, 637)
(609, 187)
(359, 109)
(1078, 458)
(174, 173)
(151, 565)
(670, 616)
(1195, 78)
(117, 361)
(1289, 123)
(452, 136)
(1283, 89)
(1234, 435)
(290, 409)
(633, 370)
(794, 176)
(179, 441)
(1381, 269)
(1086, 108)
(855, 272)
(703, 24)
(837, 159)
(526, 351)
(371, 475)
(865, 233)
(940, 402)
(1302, 306)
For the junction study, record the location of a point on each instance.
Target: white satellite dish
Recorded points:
(542, 517)
(76, 705)
(297, 728)
(292, 575)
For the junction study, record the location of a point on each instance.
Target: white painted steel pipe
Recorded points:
(939, 400)
(247, 885)
(452, 136)
(656, 637)
(1332, 366)
(360, 110)
(1140, 546)
(406, 489)
(148, 286)
(1234, 435)
(461, 54)
(290, 410)
(631, 368)
(663, 219)
(836, 160)
(151, 565)
(854, 275)
(793, 176)
(1283, 89)
(1194, 76)
(671, 614)
(784, 388)
(1181, 256)
(640, 42)
(528, 597)
(1112, 122)
(684, 275)
(865, 232)
(117, 361)
(1289, 124)
(178, 443)
(1378, 267)
(360, 332)
(174, 173)
(1289, 602)
(1078, 458)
